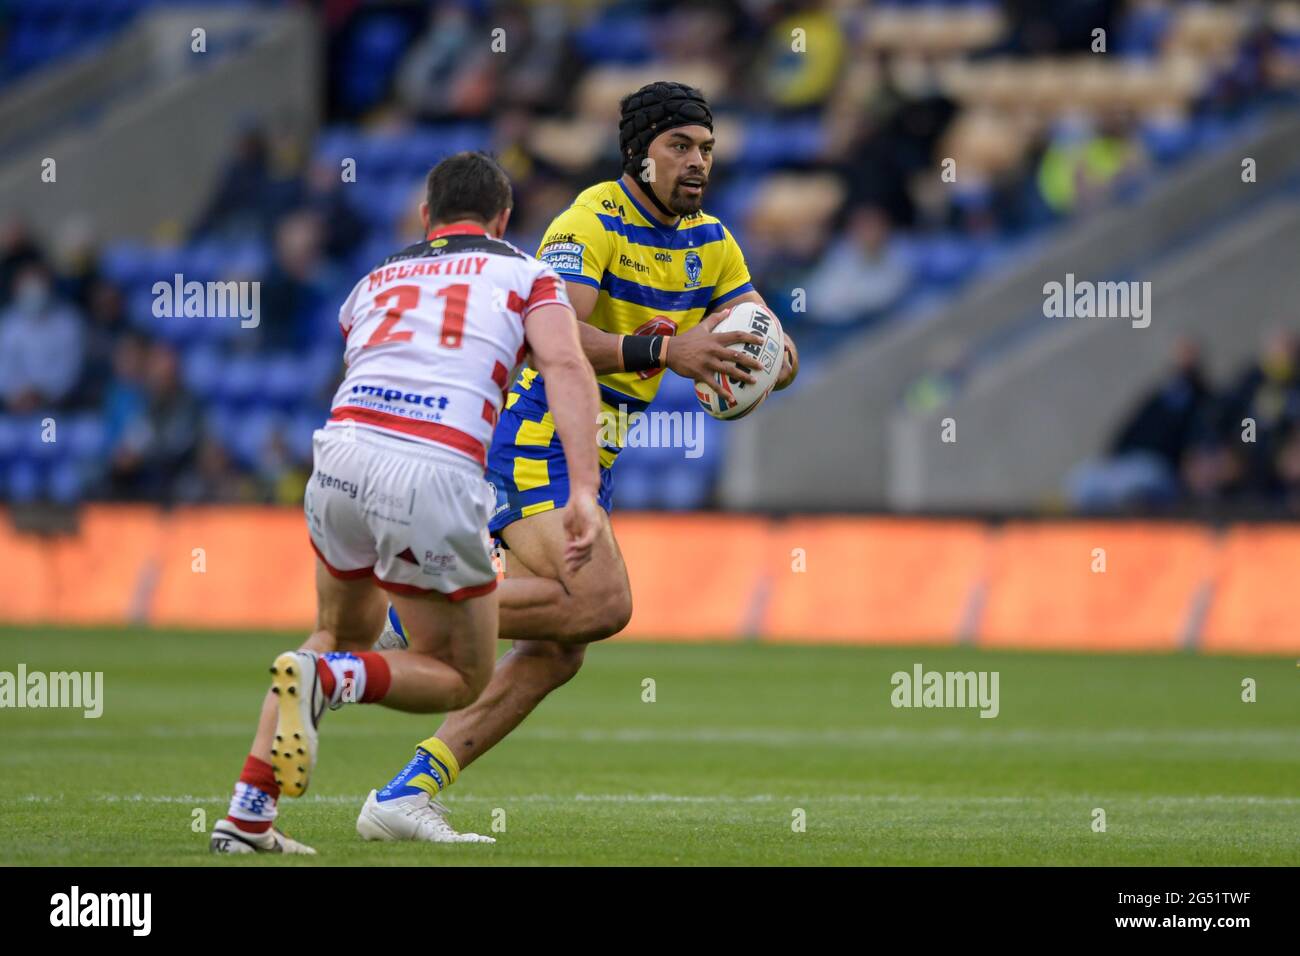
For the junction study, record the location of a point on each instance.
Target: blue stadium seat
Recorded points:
(201, 370)
(285, 380)
(126, 263)
(241, 380)
(32, 444)
(86, 437)
(65, 483)
(24, 482)
(684, 488)
(250, 438)
(11, 438)
(946, 259)
(374, 52)
(616, 37)
(1168, 142)
(633, 489)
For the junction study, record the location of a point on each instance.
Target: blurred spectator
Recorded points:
(282, 475)
(323, 195)
(861, 275)
(450, 72)
(1146, 453)
(1267, 393)
(300, 286)
(792, 79)
(106, 311)
(17, 249)
(535, 76)
(42, 342)
(1082, 168)
(125, 401)
(214, 478)
(158, 442)
(1048, 26)
(249, 194)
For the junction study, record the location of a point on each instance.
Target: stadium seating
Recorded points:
(773, 178)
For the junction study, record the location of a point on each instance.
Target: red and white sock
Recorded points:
(252, 808)
(347, 678)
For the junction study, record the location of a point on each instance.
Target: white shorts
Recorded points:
(412, 515)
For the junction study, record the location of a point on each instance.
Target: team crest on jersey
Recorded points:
(693, 269)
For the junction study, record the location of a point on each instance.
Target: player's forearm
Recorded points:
(601, 349)
(575, 405)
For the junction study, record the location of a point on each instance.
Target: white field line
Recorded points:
(981, 732)
(705, 799)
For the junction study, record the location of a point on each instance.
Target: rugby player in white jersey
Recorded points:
(397, 505)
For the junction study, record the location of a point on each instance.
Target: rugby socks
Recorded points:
(432, 770)
(252, 808)
(347, 678)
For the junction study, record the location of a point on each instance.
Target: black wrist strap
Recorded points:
(641, 352)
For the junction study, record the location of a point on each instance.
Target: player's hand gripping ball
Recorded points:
(725, 397)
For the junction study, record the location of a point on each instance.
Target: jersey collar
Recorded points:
(458, 229)
(654, 223)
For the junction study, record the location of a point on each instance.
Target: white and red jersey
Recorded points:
(435, 335)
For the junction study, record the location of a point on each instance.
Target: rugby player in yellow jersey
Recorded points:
(644, 266)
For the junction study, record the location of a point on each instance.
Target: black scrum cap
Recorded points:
(651, 110)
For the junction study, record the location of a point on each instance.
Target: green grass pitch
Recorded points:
(738, 739)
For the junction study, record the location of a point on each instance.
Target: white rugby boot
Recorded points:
(416, 817)
(301, 701)
(228, 838)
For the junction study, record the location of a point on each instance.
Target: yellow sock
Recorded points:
(442, 753)
(433, 769)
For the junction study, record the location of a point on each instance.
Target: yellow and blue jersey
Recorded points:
(652, 280)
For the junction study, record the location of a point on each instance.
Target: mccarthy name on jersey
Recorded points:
(434, 335)
(652, 280)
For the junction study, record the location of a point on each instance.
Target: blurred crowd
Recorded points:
(1192, 445)
(831, 169)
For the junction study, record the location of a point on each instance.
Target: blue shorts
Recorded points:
(526, 466)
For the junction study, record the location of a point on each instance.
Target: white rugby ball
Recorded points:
(725, 397)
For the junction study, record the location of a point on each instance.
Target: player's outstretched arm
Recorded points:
(552, 334)
(696, 354)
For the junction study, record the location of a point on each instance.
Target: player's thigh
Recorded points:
(350, 610)
(462, 633)
(538, 542)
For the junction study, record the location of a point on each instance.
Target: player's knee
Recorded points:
(561, 662)
(474, 681)
(608, 615)
(565, 664)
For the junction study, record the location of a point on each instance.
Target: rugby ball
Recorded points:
(727, 398)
